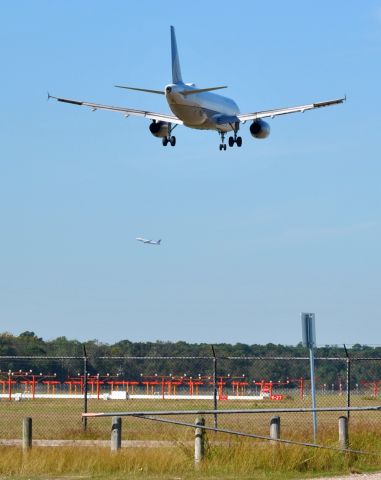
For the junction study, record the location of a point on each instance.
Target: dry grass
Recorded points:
(225, 460)
(227, 457)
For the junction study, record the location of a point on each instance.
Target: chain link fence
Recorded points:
(55, 391)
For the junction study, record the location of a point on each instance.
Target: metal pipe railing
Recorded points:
(227, 412)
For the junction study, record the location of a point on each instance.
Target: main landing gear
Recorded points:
(232, 140)
(170, 138)
(235, 139)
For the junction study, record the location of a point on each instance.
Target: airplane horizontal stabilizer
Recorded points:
(159, 92)
(201, 90)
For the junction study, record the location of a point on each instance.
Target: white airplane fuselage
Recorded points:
(203, 111)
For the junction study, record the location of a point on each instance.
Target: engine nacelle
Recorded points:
(159, 129)
(260, 129)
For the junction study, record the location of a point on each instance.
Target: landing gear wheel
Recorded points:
(222, 144)
(231, 141)
(165, 141)
(172, 141)
(239, 141)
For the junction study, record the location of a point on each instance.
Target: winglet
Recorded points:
(176, 70)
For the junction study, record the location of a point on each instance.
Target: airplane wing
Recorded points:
(283, 111)
(125, 110)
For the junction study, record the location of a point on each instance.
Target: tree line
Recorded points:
(232, 359)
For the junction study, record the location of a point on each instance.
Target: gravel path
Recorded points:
(355, 476)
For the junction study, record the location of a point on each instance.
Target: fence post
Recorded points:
(199, 447)
(116, 433)
(215, 404)
(343, 432)
(84, 419)
(275, 429)
(26, 433)
(348, 380)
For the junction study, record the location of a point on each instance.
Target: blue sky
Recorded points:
(251, 236)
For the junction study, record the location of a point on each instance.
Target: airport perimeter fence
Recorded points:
(55, 391)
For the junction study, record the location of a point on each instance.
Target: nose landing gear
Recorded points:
(232, 140)
(222, 144)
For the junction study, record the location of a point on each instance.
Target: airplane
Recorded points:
(149, 242)
(198, 108)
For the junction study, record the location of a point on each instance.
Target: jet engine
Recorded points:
(159, 129)
(259, 129)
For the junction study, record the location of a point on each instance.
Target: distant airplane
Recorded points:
(149, 242)
(198, 108)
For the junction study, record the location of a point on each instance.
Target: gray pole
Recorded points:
(215, 405)
(199, 441)
(116, 433)
(343, 432)
(348, 380)
(85, 387)
(275, 428)
(26, 433)
(348, 384)
(309, 341)
(313, 392)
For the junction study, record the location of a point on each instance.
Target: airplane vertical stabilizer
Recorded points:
(176, 71)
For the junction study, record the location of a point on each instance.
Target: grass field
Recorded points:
(226, 458)
(61, 418)
(244, 460)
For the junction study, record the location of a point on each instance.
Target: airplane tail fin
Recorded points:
(159, 242)
(176, 70)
